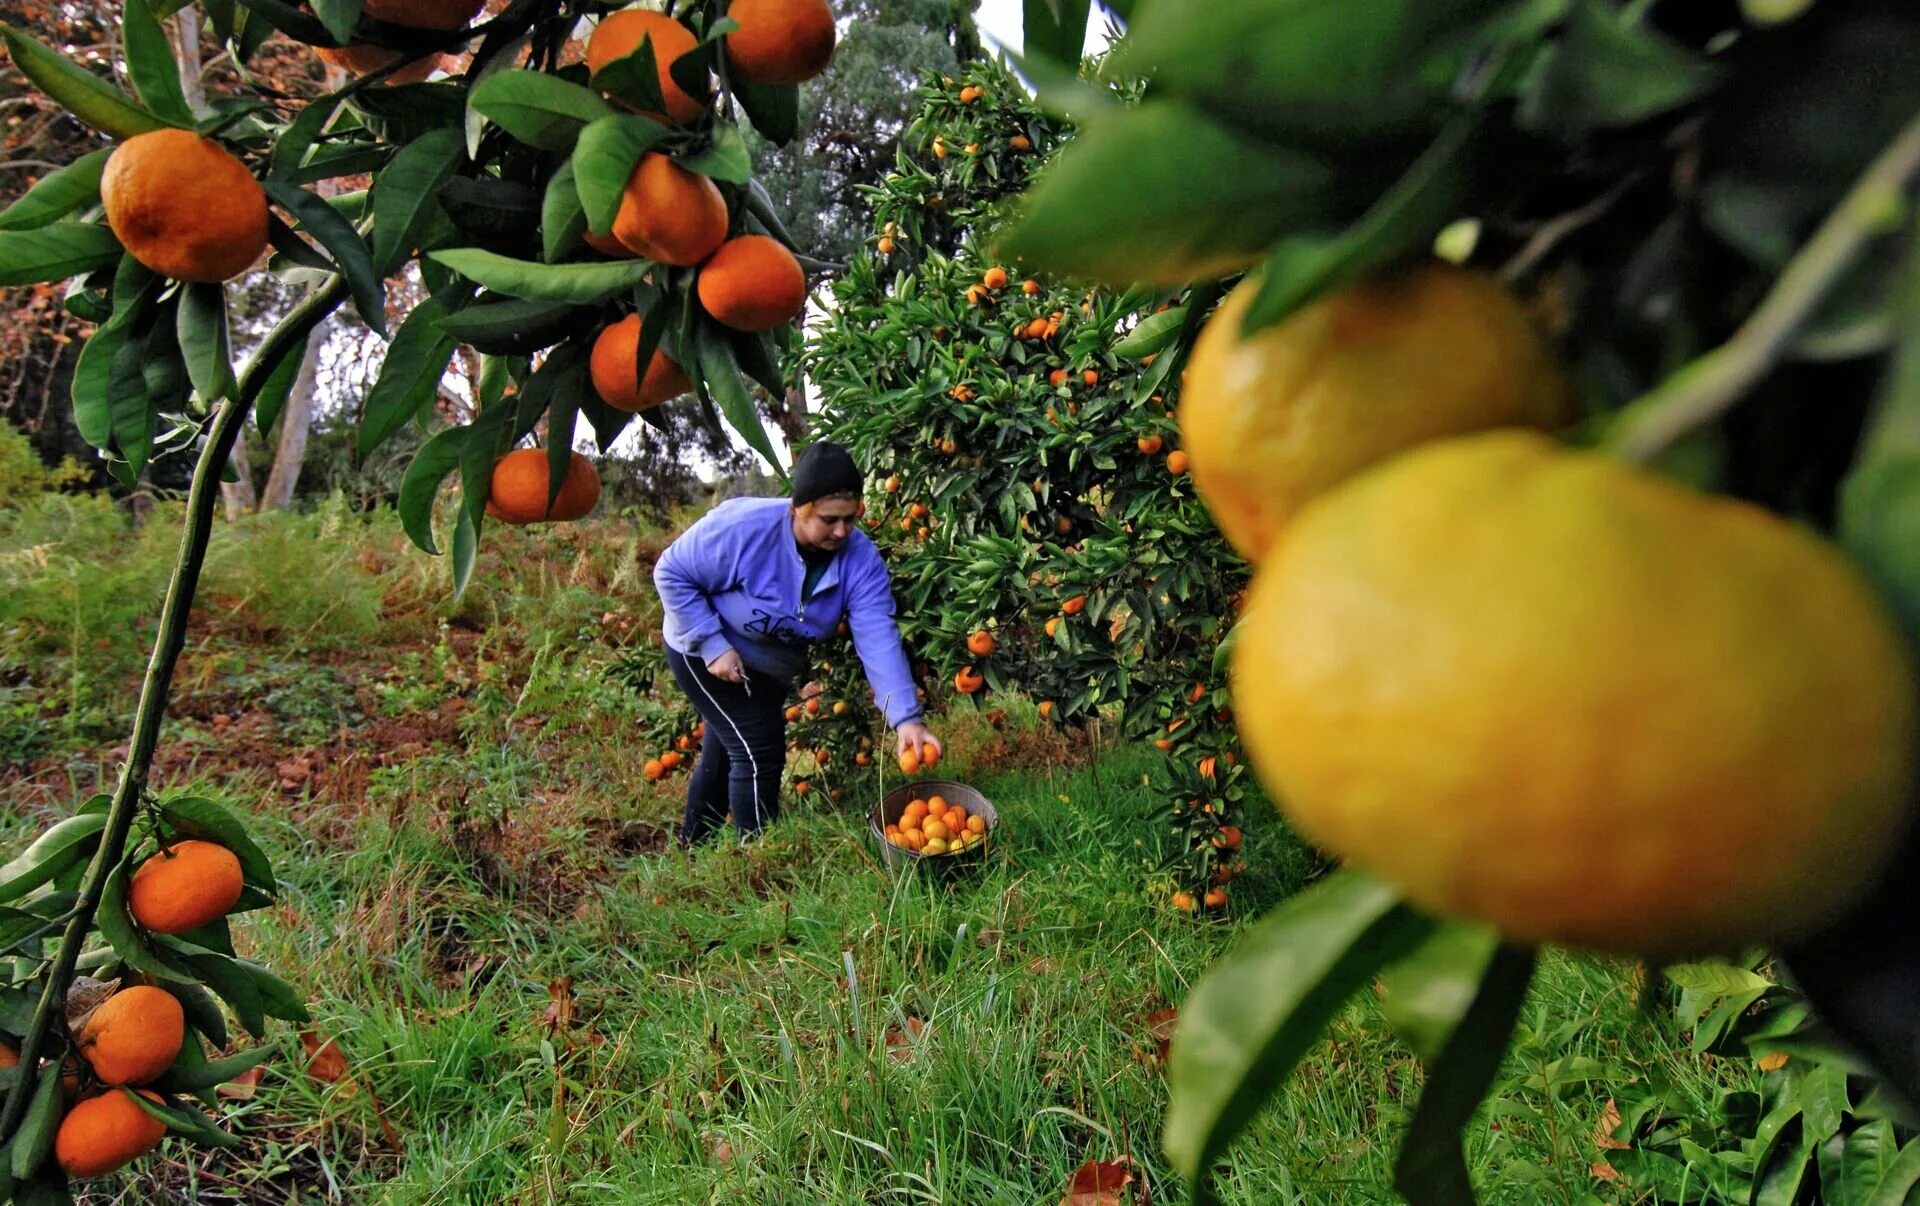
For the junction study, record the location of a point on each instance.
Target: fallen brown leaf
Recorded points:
(901, 1042)
(325, 1063)
(1100, 1183)
(243, 1086)
(1604, 1171)
(1603, 1129)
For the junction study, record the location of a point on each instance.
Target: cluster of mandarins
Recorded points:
(678, 218)
(685, 746)
(933, 826)
(130, 1039)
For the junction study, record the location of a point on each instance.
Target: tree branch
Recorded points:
(170, 640)
(1704, 389)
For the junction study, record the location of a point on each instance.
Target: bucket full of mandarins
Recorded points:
(938, 821)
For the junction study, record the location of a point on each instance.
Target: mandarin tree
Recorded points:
(1040, 539)
(1633, 672)
(559, 217)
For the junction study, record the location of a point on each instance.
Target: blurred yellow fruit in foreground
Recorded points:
(1371, 370)
(1564, 695)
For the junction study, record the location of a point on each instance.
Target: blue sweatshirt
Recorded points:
(733, 579)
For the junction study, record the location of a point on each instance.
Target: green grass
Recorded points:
(994, 1031)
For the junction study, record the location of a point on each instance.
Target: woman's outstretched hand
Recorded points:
(912, 735)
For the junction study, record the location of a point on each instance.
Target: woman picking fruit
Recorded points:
(746, 590)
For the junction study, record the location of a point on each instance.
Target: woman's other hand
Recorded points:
(728, 667)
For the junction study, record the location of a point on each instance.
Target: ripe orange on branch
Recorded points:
(1430, 351)
(1582, 703)
(184, 206)
(669, 214)
(780, 41)
(134, 1035)
(620, 34)
(752, 283)
(616, 374)
(186, 886)
(982, 644)
(968, 680)
(366, 59)
(518, 492)
(106, 1132)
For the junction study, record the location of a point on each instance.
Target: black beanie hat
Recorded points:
(822, 469)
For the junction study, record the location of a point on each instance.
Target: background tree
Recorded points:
(853, 117)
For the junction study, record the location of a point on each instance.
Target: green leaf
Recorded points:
(562, 415)
(290, 149)
(540, 110)
(1880, 498)
(151, 65)
(1429, 991)
(562, 220)
(403, 195)
(466, 549)
(32, 1141)
(635, 78)
(49, 1190)
(438, 457)
(290, 19)
(333, 232)
(774, 109)
(185, 1120)
(720, 380)
(339, 16)
(215, 1073)
(1302, 73)
(16, 926)
(603, 160)
(1151, 334)
(163, 366)
(760, 205)
(202, 1012)
(584, 284)
(55, 251)
(499, 52)
(1200, 200)
(1610, 69)
(278, 387)
(1715, 979)
(1264, 1003)
(1405, 218)
(515, 326)
(757, 354)
(1056, 29)
(96, 402)
(131, 408)
(1897, 1179)
(1431, 1166)
(410, 377)
(278, 996)
(60, 847)
(198, 817)
(71, 188)
(1780, 1168)
(78, 91)
(204, 341)
(727, 159)
(233, 984)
